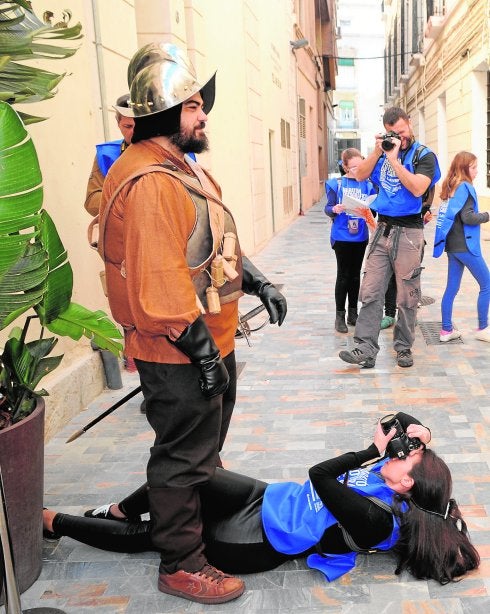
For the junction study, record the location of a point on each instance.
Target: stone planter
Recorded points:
(22, 462)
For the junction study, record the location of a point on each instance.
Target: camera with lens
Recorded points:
(401, 445)
(387, 143)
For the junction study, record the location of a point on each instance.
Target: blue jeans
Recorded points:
(477, 266)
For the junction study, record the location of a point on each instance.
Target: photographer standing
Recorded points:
(403, 170)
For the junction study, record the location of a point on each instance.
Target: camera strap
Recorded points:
(348, 537)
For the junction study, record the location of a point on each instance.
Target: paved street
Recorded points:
(298, 404)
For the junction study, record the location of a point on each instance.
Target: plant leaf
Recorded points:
(77, 321)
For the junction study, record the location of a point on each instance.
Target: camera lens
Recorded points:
(387, 144)
(387, 423)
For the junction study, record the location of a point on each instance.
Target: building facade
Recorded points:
(437, 63)
(268, 128)
(359, 93)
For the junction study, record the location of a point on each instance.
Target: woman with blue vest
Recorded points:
(401, 502)
(458, 234)
(349, 236)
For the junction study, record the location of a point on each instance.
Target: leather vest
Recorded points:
(213, 220)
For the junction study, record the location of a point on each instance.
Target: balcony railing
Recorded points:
(347, 124)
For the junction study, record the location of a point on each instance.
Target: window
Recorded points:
(285, 134)
(346, 111)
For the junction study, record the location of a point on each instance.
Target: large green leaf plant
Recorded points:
(35, 274)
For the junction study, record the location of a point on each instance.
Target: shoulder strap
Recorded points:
(101, 219)
(347, 536)
(416, 155)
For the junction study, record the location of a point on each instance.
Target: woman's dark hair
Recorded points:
(434, 540)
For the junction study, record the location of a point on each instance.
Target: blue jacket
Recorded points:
(394, 200)
(340, 224)
(294, 518)
(448, 210)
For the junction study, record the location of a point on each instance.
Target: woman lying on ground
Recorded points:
(402, 504)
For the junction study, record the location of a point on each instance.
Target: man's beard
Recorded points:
(188, 143)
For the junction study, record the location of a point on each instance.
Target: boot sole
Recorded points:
(205, 600)
(365, 363)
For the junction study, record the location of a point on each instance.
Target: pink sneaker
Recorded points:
(445, 335)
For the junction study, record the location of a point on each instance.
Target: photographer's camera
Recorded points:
(401, 445)
(387, 143)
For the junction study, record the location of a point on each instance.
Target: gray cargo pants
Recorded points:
(392, 249)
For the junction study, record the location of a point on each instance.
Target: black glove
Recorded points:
(197, 344)
(255, 283)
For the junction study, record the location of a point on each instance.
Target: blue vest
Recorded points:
(294, 518)
(107, 154)
(448, 210)
(394, 199)
(340, 224)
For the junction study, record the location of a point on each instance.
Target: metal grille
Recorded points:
(431, 330)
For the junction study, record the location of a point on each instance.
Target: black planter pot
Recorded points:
(22, 462)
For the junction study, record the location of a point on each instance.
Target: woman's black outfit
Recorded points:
(232, 517)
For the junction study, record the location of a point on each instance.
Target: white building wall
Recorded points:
(362, 36)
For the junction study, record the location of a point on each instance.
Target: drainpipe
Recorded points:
(295, 45)
(100, 69)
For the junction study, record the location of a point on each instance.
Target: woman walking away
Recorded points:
(458, 233)
(348, 237)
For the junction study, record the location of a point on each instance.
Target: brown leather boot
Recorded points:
(208, 585)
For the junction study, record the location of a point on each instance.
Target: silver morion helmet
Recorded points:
(160, 76)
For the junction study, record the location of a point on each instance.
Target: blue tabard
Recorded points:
(294, 518)
(394, 199)
(340, 225)
(448, 210)
(107, 154)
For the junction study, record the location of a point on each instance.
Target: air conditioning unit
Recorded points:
(417, 59)
(404, 78)
(434, 26)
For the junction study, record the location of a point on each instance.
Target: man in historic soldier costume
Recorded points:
(174, 274)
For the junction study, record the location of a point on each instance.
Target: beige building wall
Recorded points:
(445, 91)
(248, 43)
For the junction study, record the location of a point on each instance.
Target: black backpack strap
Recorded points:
(428, 195)
(348, 537)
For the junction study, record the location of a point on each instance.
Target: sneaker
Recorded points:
(386, 322)
(104, 512)
(356, 357)
(445, 335)
(208, 585)
(483, 334)
(404, 358)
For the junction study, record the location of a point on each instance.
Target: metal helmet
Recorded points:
(160, 77)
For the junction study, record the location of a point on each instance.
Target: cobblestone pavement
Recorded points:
(298, 404)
